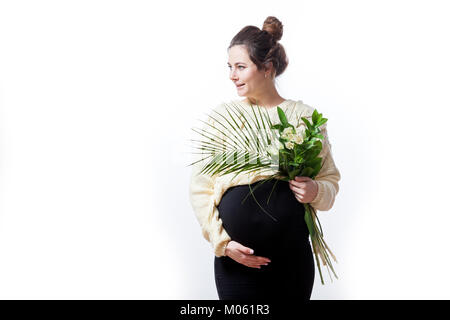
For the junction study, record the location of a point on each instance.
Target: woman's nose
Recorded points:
(233, 75)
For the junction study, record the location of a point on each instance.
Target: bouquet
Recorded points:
(281, 150)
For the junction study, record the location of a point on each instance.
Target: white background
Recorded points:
(97, 101)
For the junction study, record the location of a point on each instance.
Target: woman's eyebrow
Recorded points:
(236, 63)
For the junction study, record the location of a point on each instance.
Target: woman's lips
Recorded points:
(240, 86)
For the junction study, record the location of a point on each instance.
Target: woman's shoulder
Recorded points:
(306, 111)
(303, 109)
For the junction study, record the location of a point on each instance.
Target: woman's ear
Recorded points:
(268, 69)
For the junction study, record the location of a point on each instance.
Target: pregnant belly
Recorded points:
(249, 225)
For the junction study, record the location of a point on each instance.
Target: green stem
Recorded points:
(314, 244)
(273, 188)
(320, 246)
(260, 183)
(261, 206)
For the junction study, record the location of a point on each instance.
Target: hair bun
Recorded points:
(273, 26)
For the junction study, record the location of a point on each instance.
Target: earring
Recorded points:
(265, 75)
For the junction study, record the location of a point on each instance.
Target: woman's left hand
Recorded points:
(305, 189)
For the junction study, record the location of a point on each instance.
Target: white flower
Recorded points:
(291, 136)
(286, 132)
(298, 138)
(290, 145)
(272, 150)
(301, 129)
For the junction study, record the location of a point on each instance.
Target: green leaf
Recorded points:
(321, 121)
(295, 172)
(308, 124)
(315, 116)
(309, 222)
(317, 165)
(282, 117)
(277, 126)
(311, 155)
(309, 145)
(307, 133)
(298, 158)
(307, 172)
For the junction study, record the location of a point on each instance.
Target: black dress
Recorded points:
(290, 274)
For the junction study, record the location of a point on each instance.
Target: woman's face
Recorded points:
(248, 79)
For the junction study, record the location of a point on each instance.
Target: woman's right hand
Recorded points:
(244, 255)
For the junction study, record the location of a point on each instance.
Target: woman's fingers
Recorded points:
(301, 178)
(298, 184)
(305, 191)
(256, 261)
(244, 249)
(253, 261)
(297, 190)
(298, 193)
(244, 255)
(261, 260)
(254, 265)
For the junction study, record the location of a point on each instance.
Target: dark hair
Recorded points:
(262, 44)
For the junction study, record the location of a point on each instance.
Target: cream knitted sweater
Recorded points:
(205, 192)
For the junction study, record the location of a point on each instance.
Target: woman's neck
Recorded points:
(266, 97)
(265, 101)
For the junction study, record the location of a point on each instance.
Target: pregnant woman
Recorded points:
(257, 257)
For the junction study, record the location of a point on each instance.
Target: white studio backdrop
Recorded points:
(97, 102)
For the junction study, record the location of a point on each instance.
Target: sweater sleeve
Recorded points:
(328, 177)
(201, 195)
